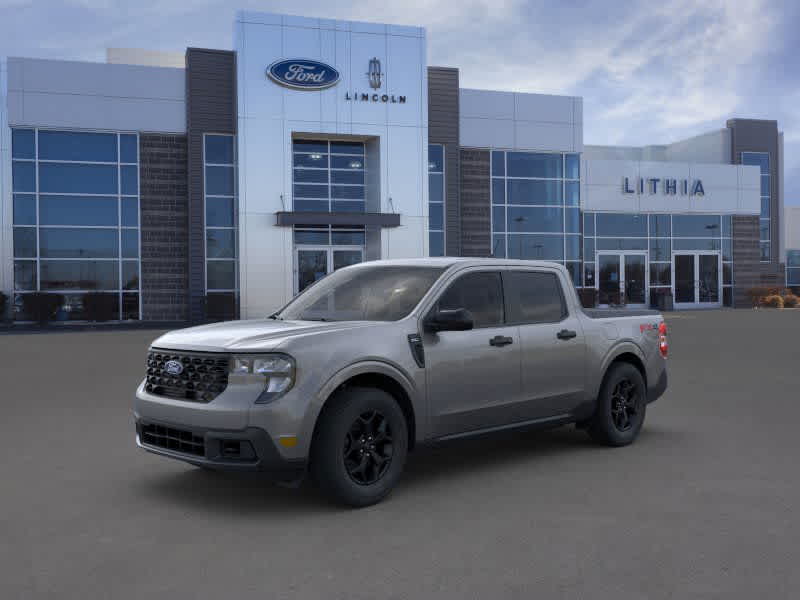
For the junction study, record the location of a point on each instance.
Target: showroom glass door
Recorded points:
(312, 263)
(697, 279)
(622, 279)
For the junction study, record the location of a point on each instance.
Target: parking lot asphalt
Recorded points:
(704, 505)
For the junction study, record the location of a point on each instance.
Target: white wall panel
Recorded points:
(486, 104)
(540, 135)
(486, 133)
(363, 47)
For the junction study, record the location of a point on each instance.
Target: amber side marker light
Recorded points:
(663, 346)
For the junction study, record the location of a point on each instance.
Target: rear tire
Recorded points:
(360, 447)
(621, 405)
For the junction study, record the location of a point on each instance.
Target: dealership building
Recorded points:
(217, 184)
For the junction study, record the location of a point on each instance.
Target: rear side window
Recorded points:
(534, 297)
(479, 293)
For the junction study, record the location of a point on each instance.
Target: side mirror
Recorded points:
(450, 320)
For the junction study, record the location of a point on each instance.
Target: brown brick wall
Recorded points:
(165, 227)
(476, 208)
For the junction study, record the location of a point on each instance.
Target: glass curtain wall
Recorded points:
(793, 268)
(536, 207)
(436, 200)
(76, 220)
(328, 176)
(222, 280)
(761, 160)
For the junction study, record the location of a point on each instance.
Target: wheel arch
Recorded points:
(626, 352)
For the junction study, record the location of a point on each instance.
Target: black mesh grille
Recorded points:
(178, 440)
(200, 377)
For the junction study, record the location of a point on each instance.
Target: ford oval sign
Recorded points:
(173, 367)
(303, 74)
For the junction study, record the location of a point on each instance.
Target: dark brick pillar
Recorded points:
(165, 226)
(746, 254)
(476, 209)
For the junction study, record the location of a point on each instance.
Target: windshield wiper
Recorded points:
(275, 317)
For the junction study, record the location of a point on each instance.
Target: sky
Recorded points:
(649, 72)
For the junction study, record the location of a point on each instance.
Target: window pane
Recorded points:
(77, 210)
(588, 224)
(498, 191)
(621, 243)
(130, 243)
(529, 164)
(24, 209)
(478, 293)
(128, 149)
(498, 163)
(696, 225)
(74, 145)
(130, 307)
(310, 191)
(540, 220)
(660, 249)
(310, 146)
(25, 275)
(521, 191)
(344, 162)
(23, 176)
(220, 243)
(348, 238)
(77, 179)
(78, 243)
(572, 244)
(436, 243)
(727, 273)
(660, 226)
(129, 180)
(311, 205)
(759, 159)
(574, 271)
(80, 275)
(763, 229)
(221, 274)
(588, 274)
(316, 161)
(347, 192)
(695, 244)
(130, 212)
(311, 175)
(793, 258)
(793, 277)
(573, 166)
(312, 237)
(354, 177)
(534, 298)
(435, 158)
(436, 187)
(23, 144)
(661, 274)
(588, 250)
(219, 212)
(25, 242)
(219, 149)
(765, 208)
(765, 251)
(572, 220)
(572, 190)
(219, 181)
(499, 246)
(130, 274)
(348, 206)
(622, 225)
(347, 148)
(765, 185)
(536, 247)
(499, 218)
(436, 216)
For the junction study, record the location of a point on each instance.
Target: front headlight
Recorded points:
(275, 371)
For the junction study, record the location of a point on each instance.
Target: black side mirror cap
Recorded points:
(459, 319)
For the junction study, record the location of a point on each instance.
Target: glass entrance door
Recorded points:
(312, 264)
(622, 279)
(697, 279)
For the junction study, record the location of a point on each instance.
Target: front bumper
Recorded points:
(249, 449)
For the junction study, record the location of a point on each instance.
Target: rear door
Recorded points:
(553, 348)
(472, 376)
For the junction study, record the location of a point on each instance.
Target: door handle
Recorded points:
(500, 340)
(566, 334)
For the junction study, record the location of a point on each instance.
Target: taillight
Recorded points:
(663, 347)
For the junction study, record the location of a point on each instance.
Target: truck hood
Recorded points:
(248, 336)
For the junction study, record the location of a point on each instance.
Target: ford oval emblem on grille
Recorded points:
(303, 74)
(173, 367)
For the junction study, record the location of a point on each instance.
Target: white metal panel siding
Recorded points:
(82, 95)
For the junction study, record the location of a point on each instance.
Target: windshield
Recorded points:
(377, 293)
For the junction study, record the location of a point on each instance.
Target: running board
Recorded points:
(554, 421)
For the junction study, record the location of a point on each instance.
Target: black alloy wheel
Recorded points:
(620, 408)
(624, 404)
(368, 448)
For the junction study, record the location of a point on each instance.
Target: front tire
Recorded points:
(360, 447)
(620, 410)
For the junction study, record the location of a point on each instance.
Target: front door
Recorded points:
(313, 263)
(697, 279)
(622, 279)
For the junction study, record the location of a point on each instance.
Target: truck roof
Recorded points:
(448, 261)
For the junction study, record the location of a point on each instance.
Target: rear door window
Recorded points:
(534, 297)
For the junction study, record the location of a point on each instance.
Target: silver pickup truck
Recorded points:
(383, 357)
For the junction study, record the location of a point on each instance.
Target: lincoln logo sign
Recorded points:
(668, 186)
(302, 74)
